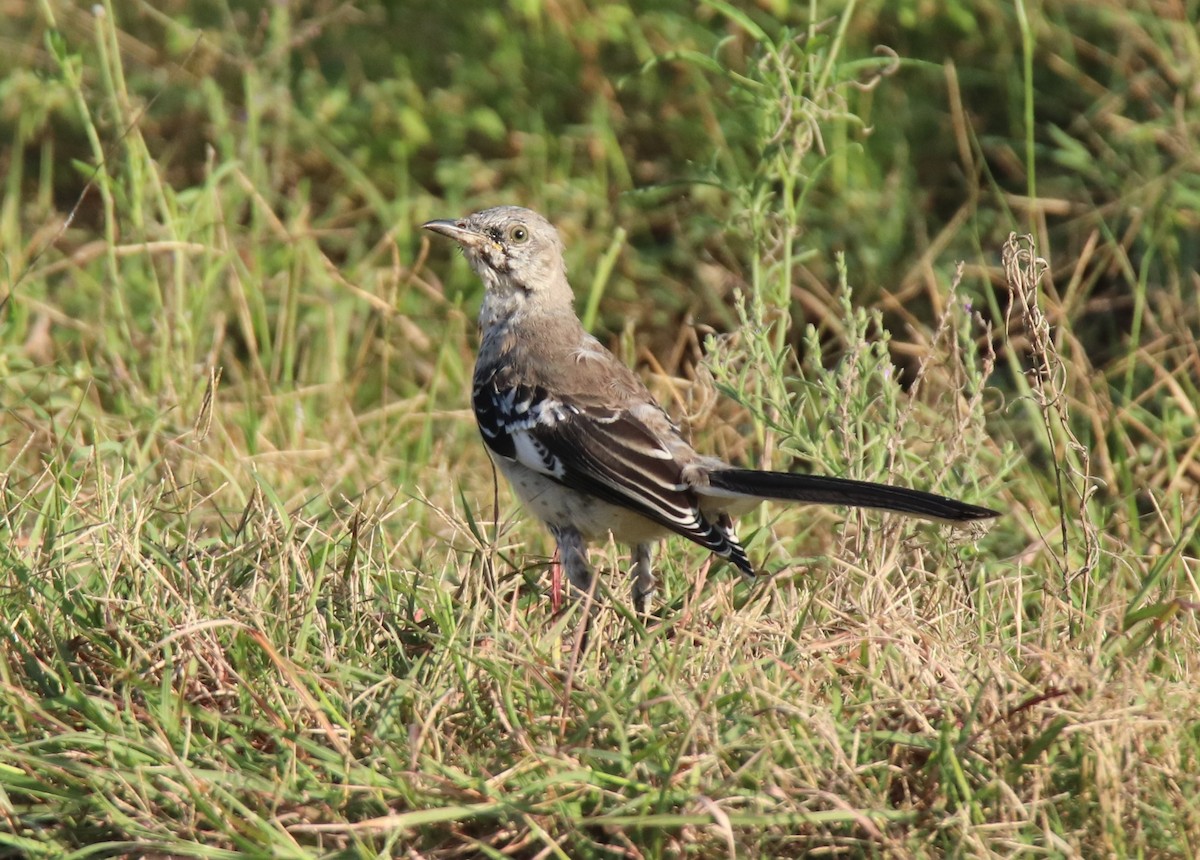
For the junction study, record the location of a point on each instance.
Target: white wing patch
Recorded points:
(550, 412)
(532, 454)
(520, 417)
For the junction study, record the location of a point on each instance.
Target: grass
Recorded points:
(262, 596)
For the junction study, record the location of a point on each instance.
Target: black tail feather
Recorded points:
(818, 490)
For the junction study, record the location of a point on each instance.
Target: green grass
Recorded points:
(261, 595)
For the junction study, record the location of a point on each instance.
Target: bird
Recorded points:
(586, 447)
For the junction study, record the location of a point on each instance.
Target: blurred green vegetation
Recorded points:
(372, 117)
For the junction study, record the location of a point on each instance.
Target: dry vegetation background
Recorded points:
(260, 596)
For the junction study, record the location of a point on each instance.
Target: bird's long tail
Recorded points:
(818, 490)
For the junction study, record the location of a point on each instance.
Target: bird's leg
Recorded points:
(556, 588)
(643, 579)
(572, 555)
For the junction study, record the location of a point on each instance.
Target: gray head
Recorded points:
(516, 252)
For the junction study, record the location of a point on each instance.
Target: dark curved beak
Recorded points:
(456, 230)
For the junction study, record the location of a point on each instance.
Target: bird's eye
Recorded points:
(519, 234)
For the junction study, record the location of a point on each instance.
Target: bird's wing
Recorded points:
(606, 451)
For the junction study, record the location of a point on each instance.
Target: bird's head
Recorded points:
(514, 250)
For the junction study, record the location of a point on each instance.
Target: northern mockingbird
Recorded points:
(584, 444)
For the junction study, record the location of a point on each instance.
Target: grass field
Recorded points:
(262, 595)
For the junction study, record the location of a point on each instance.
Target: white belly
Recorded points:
(560, 506)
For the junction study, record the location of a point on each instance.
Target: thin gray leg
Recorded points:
(643, 579)
(572, 554)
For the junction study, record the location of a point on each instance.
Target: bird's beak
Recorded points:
(457, 231)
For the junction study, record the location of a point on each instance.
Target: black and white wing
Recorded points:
(603, 451)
